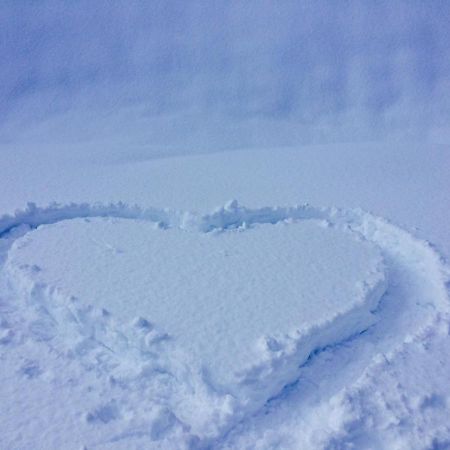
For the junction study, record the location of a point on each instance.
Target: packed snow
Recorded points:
(182, 384)
(141, 308)
(266, 297)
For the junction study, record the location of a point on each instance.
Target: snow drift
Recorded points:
(143, 359)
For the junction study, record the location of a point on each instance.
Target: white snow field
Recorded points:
(100, 333)
(142, 308)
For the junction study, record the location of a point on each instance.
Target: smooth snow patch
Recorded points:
(249, 305)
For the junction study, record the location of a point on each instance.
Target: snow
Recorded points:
(141, 309)
(406, 182)
(138, 398)
(217, 294)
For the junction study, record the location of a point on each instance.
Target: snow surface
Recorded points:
(265, 297)
(136, 399)
(406, 182)
(119, 112)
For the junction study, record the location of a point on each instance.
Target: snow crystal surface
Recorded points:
(150, 389)
(313, 314)
(226, 297)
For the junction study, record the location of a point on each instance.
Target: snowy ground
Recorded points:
(246, 327)
(141, 307)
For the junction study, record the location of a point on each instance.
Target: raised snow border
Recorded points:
(227, 411)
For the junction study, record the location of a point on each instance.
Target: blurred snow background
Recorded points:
(142, 79)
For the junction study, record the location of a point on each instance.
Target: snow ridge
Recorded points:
(229, 216)
(34, 216)
(129, 353)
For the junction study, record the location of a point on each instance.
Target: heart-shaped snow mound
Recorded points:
(249, 305)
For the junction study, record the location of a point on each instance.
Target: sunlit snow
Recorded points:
(142, 308)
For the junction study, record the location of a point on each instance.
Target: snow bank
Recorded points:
(33, 216)
(148, 364)
(259, 305)
(217, 294)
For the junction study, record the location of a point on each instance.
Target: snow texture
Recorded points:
(146, 402)
(290, 288)
(125, 124)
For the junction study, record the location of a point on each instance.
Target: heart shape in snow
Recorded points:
(248, 305)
